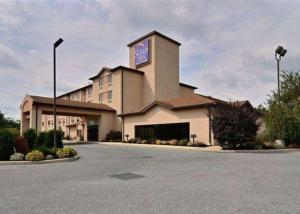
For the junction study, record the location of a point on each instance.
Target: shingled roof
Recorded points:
(193, 101)
(69, 103)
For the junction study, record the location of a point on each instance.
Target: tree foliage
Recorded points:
(234, 126)
(283, 117)
(8, 122)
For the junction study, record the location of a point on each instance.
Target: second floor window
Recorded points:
(109, 78)
(109, 95)
(101, 81)
(89, 92)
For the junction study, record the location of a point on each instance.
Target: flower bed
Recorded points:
(32, 147)
(173, 142)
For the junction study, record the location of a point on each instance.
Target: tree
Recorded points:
(8, 122)
(233, 125)
(283, 118)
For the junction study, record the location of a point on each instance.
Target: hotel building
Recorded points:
(145, 99)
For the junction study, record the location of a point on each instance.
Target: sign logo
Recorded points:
(141, 52)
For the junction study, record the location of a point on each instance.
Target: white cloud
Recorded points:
(229, 46)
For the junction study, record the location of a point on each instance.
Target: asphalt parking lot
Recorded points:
(116, 179)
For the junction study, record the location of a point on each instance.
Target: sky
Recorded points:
(227, 47)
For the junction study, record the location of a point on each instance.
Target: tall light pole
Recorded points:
(279, 52)
(55, 45)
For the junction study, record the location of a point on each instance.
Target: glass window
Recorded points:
(101, 97)
(109, 78)
(101, 81)
(109, 95)
(89, 91)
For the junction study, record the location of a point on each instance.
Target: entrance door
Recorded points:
(92, 133)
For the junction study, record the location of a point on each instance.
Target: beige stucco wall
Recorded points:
(198, 119)
(185, 91)
(161, 79)
(132, 86)
(166, 61)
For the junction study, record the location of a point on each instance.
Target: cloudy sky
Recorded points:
(227, 46)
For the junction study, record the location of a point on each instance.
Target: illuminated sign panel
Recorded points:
(142, 52)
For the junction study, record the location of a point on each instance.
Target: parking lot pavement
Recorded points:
(112, 179)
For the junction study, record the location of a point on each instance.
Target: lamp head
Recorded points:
(280, 51)
(58, 42)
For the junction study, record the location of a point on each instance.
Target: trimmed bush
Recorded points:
(173, 142)
(144, 142)
(114, 136)
(30, 136)
(41, 138)
(35, 155)
(164, 142)
(151, 141)
(17, 157)
(67, 137)
(49, 142)
(158, 142)
(6, 144)
(21, 145)
(190, 144)
(47, 151)
(66, 152)
(183, 142)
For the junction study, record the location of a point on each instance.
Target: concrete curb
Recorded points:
(39, 162)
(186, 148)
(217, 149)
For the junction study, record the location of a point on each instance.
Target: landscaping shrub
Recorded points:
(21, 145)
(17, 157)
(183, 142)
(30, 136)
(190, 144)
(138, 141)
(173, 142)
(6, 144)
(35, 155)
(41, 139)
(164, 142)
(49, 142)
(200, 144)
(114, 136)
(67, 137)
(134, 140)
(158, 142)
(233, 125)
(14, 131)
(66, 152)
(144, 142)
(151, 141)
(47, 151)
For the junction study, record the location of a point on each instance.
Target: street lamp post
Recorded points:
(279, 52)
(55, 45)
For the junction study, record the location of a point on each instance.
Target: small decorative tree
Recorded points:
(233, 126)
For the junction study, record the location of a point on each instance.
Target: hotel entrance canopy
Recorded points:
(33, 107)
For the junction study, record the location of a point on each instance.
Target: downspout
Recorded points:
(209, 125)
(36, 118)
(122, 108)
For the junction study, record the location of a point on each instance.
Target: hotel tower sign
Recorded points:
(141, 52)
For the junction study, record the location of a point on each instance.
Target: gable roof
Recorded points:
(193, 101)
(150, 34)
(69, 103)
(187, 86)
(115, 69)
(78, 89)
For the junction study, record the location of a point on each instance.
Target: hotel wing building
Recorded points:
(145, 100)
